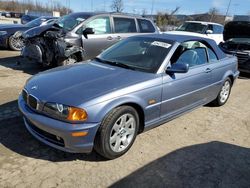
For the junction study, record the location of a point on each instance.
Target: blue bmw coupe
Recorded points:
(135, 85)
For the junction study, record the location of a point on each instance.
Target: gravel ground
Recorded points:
(208, 147)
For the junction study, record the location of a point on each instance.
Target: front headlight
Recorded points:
(3, 32)
(64, 112)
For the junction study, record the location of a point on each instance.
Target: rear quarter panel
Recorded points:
(221, 70)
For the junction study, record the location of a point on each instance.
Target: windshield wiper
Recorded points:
(114, 63)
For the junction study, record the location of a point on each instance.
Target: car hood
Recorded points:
(37, 31)
(12, 27)
(236, 29)
(77, 84)
(8, 26)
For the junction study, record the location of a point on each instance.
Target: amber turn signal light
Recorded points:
(77, 114)
(78, 134)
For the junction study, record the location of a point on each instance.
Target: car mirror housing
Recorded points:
(178, 68)
(87, 31)
(209, 31)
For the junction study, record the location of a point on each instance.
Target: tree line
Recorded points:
(21, 6)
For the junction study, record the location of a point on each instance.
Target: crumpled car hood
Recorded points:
(79, 83)
(37, 31)
(236, 29)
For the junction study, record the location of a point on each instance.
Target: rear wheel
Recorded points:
(224, 93)
(117, 132)
(16, 43)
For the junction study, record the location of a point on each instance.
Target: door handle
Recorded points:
(119, 37)
(109, 38)
(208, 70)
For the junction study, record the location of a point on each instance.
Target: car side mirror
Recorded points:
(209, 31)
(177, 68)
(88, 31)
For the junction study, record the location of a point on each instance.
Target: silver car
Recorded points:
(81, 36)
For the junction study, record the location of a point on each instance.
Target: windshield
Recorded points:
(192, 27)
(137, 53)
(35, 22)
(69, 22)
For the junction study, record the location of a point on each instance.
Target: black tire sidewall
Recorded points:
(107, 127)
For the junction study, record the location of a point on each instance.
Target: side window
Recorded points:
(212, 56)
(145, 26)
(192, 53)
(100, 25)
(217, 29)
(124, 25)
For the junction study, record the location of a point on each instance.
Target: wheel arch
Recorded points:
(229, 74)
(140, 112)
(106, 107)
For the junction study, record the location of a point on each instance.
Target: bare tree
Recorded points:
(164, 19)
(213, 12)
(144, 12)
(173, 12)
(117, 5)
(31, 5)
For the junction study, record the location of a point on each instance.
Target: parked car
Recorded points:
(81, 36)
(208, 29)
(6, 14)
(27, 18)
(10, 33)
(237, 42)
(137, 84)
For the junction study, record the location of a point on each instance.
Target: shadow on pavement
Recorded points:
(18, 63)
(213, 164)
(15, 137)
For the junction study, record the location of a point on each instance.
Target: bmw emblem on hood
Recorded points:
(34, 87)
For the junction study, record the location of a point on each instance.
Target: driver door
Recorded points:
(184, 91)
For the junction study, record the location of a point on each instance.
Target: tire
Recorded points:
(69, 61)
(114, 138)
(224, 93)
(15, 44)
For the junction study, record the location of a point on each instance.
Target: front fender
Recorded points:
(97, 112)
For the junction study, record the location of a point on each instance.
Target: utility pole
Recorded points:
(152, 7)
(229, 3)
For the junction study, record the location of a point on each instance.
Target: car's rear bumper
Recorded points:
(4, 41)
(56, 133)
(244, 67)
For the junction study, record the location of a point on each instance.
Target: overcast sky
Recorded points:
(186, 6)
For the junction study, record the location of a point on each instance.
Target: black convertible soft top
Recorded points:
(183, 38)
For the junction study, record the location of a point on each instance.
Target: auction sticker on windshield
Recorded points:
(161, 44)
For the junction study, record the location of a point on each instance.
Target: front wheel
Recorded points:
(224, 93)
(16, 43)
(117, 132)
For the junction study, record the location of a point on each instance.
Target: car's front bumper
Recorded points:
(56, 133)
(32, 52)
